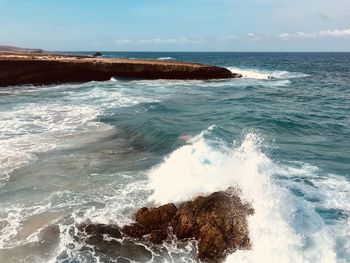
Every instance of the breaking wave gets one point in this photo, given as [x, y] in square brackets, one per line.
[285, 227]
[39, 127]
[265, 75]
[165, 58]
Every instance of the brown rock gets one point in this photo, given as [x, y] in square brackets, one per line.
[155, 218]
[135, 230]
[158, 236]
[218, 222]
[44, 69]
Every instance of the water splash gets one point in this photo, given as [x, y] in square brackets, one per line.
[266, 75]
[276, 232]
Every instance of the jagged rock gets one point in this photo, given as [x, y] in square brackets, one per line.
[218, 222]
[135, 230]
[155, 218]
[158, 236]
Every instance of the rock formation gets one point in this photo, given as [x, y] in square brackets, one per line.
[97, 54]
[218, 222]
[19, 49]
[44, 69]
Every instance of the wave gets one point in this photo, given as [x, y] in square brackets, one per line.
[165, 58]
[284, 228]
[266, 75]
[27, 130]
[38, 127]
[159, 58]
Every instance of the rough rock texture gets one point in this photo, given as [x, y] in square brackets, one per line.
[218, 222]
[152, 221]
[43, 69]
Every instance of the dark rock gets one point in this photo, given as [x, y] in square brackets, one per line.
[135, 252]
[237, 75]
[97, 54]
[101, 229]
[93, 236]
[135, 230]
[44, 69]
[158, 236]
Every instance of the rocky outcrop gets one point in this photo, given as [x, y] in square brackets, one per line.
[218, 222]
[43, 69]
[19, 49]
[97, 54]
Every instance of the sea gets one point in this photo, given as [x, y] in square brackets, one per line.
[98, 151]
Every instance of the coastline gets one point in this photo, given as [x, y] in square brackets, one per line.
[44, 69]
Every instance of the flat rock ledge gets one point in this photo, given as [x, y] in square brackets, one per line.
[45, 69]
[218, 222]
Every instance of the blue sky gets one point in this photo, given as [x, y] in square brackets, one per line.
[177, 25]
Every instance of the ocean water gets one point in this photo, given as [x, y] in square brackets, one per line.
[98, 151]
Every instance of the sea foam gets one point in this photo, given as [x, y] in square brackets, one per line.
[266, 75]
[275, 230]
[165, 58]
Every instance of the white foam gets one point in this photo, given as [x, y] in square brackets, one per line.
[165, 58]
[34, 128]
[276, 230]
[265, 75]
[41, 126]
[11, 219]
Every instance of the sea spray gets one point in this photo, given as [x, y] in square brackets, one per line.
[199, 169]
[266, 74]
[99, 170]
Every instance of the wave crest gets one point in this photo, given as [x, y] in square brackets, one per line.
[275, 232]
[266, 75]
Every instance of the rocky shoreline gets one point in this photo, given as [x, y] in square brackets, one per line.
[44, 69]
[217, 222]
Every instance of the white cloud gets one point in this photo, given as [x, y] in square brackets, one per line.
[179, 40]
[336, 33]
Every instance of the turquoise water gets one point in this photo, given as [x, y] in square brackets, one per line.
[98, 151]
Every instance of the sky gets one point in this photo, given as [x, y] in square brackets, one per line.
[176, 25]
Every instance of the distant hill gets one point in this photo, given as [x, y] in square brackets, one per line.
[18, 49]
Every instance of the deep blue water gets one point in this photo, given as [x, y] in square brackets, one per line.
[99, 150]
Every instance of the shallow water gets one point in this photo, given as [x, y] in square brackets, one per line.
[98, 151]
